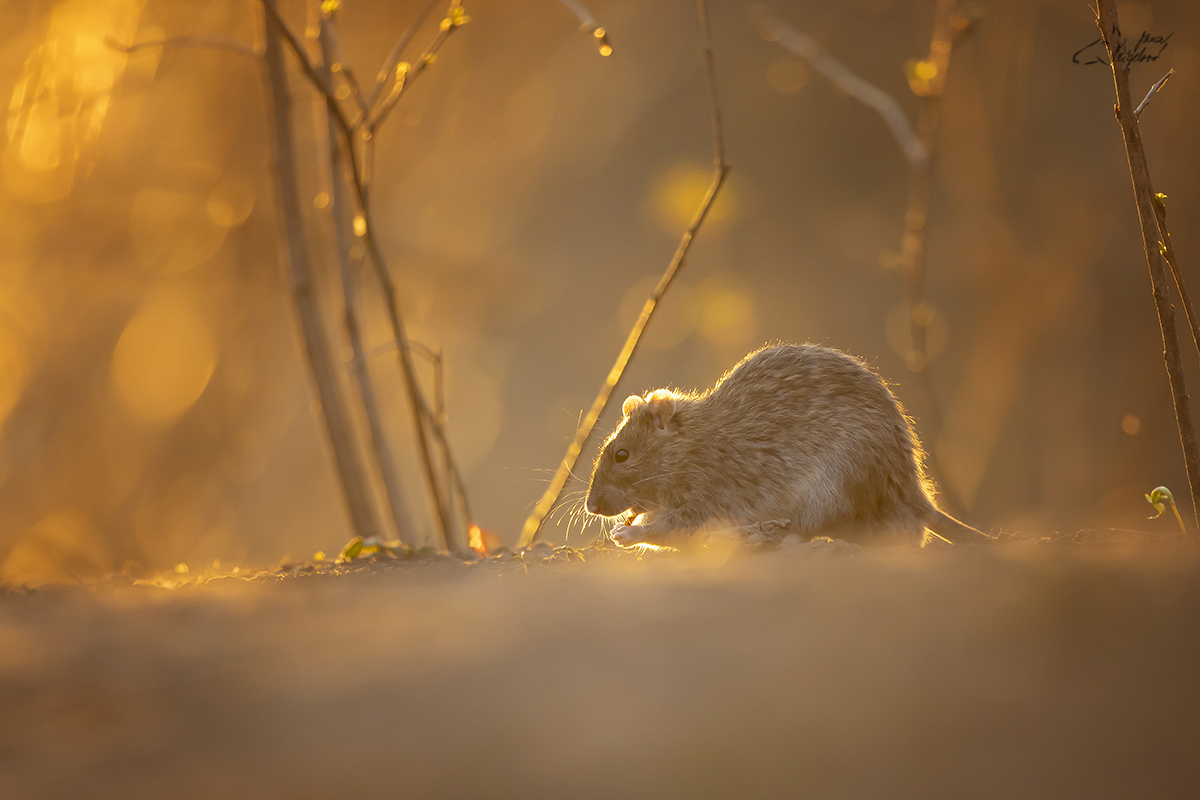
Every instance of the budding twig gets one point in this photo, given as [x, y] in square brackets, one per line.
[405, 78]
[1156, 251]
[393, 58]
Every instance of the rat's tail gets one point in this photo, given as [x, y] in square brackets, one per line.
[954, 531]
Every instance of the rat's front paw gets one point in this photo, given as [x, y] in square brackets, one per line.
[628, 535]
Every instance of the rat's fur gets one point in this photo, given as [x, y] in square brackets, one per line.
[798, 432]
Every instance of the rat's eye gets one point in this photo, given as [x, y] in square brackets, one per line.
[621, 455]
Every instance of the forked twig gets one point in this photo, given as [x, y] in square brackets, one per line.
[405, 77]
[533, 524]
[393, 58]
[1156, 250]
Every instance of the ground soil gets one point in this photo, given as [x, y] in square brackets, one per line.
[1022, 670]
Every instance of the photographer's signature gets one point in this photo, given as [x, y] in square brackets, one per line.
[1146, 48]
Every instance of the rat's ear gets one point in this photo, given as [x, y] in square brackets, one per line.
[661, 406]
[631, 404]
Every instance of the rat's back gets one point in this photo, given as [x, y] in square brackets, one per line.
[824, 437]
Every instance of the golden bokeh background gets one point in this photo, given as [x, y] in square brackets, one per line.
[154, 404]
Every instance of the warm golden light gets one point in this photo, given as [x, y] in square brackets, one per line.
[678, 194]
[173, 231]
[164, 359]
[787, 76]
[674, 320]
[58, 106]
[726, 312]
[925, 70]
[64, 547]
[230, 203]
[1131, 424]
[14, 369]
[897, 327]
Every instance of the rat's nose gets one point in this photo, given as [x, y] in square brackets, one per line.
[592, 506]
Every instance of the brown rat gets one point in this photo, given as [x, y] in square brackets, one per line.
[797, 432]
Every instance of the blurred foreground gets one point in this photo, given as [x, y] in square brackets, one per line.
[823, 670]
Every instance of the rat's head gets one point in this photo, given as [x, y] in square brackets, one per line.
[628, 472]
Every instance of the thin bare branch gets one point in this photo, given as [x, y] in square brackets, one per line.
[438, 412]
[185, 41]
[344, 238]
[295, 256]
[533, 524]
[1137, 112]
[775, 30]
[393, 58]
[719, 165]
[1156, 252]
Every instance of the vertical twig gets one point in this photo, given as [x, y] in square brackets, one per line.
[1106, 17]
[321, 360]
[929, 86]
[720, 169]
[344, 238]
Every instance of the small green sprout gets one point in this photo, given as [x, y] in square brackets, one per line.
[352, 549]
[1157, 497]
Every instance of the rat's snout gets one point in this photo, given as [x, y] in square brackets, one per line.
[601, 503]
